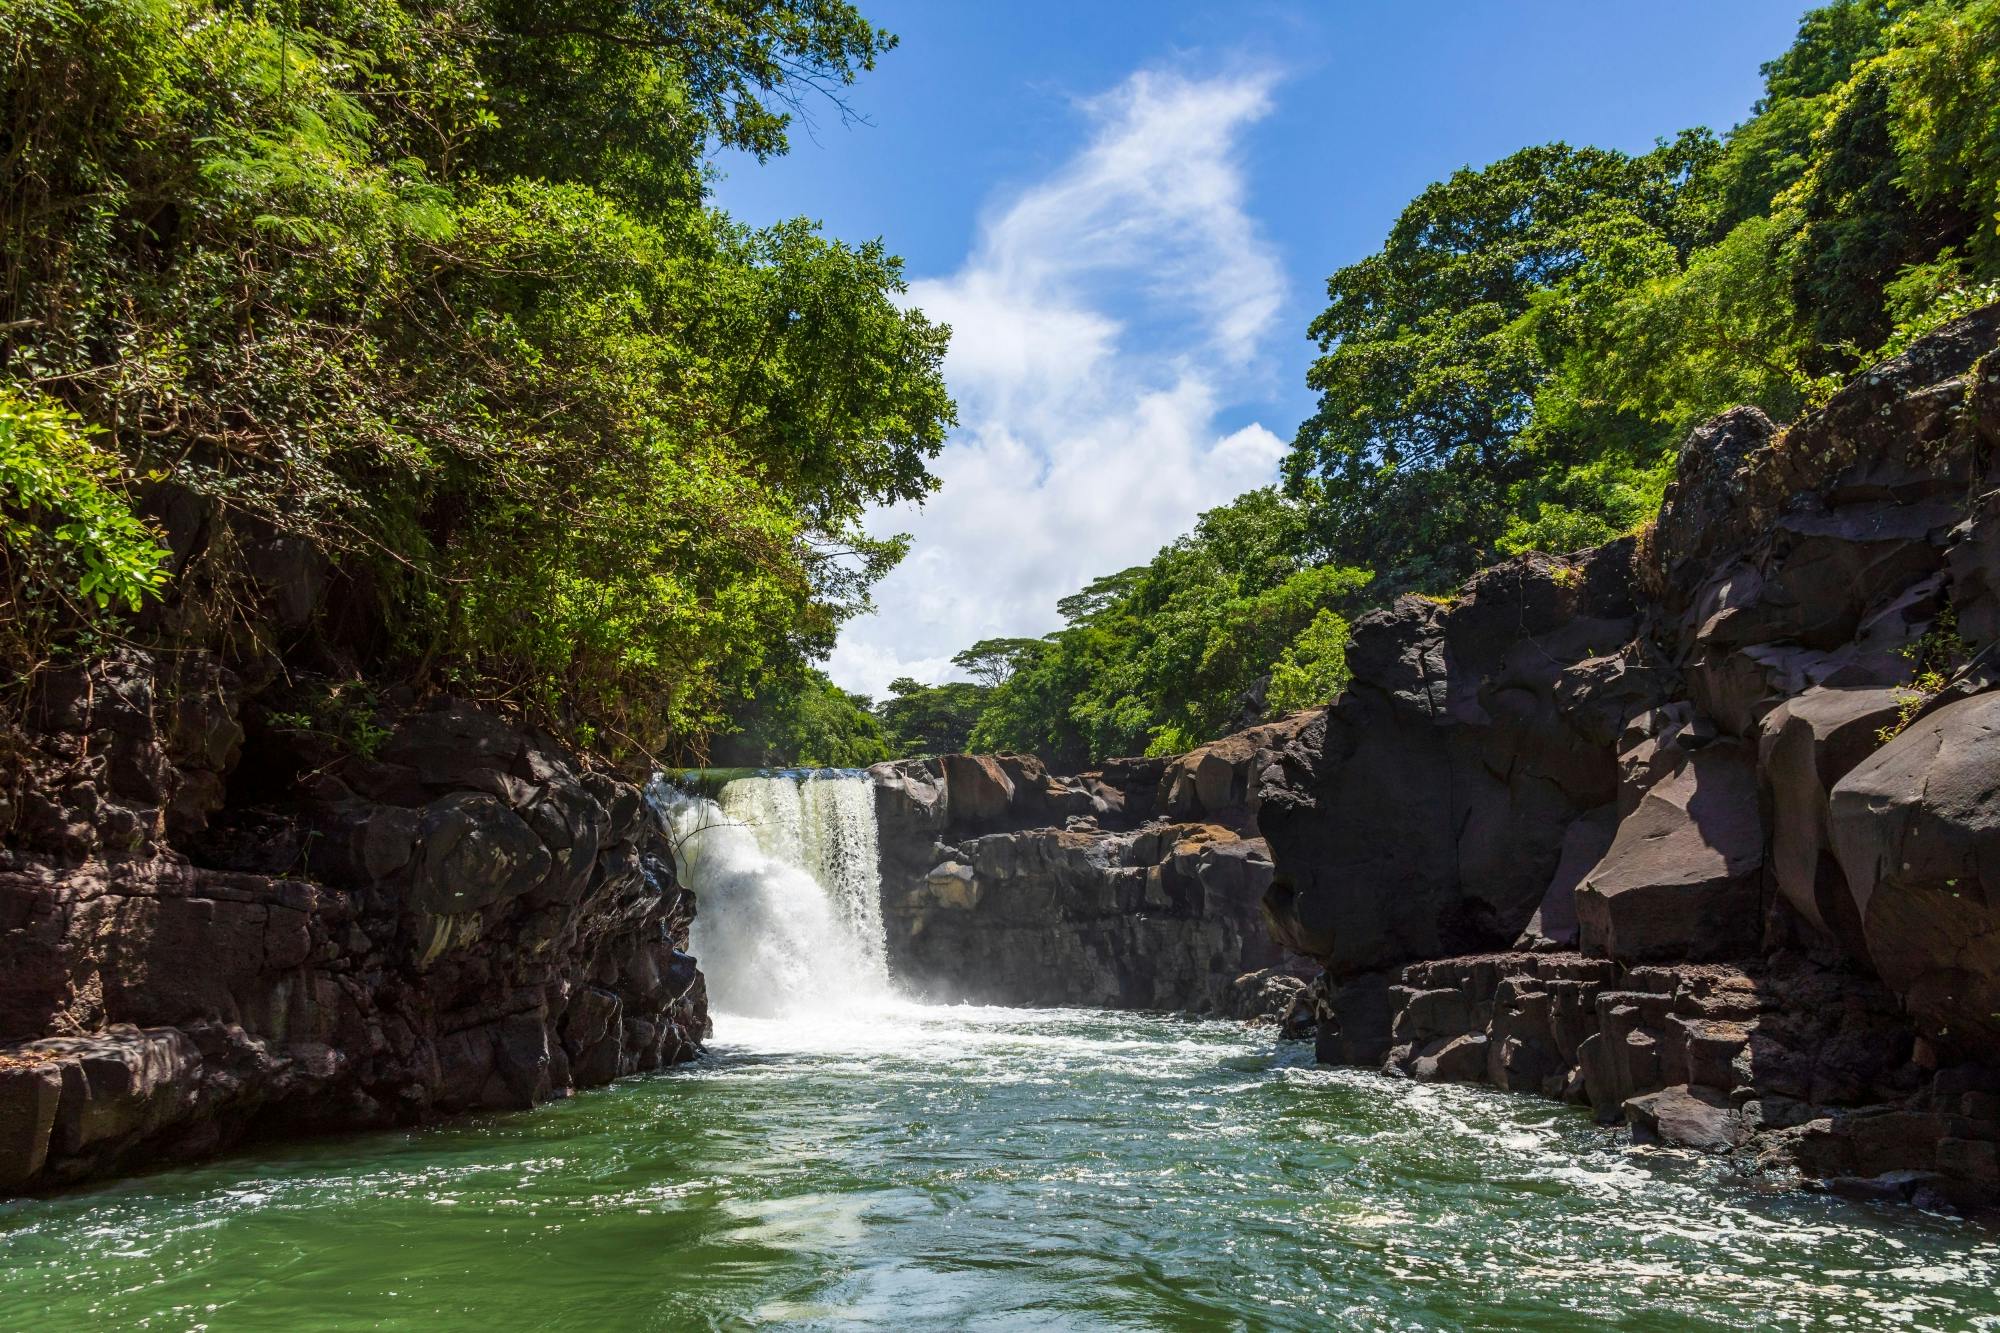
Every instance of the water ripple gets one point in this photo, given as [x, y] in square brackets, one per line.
[973, 1168]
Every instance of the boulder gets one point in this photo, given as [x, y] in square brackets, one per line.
[30, 1088]
[1554, 924]
[1424, 813]
[1916, 827]
[1268, 995]
[366, 940]
[1352, 1017]
[979, 792]
[1682, 877]
[1459, 1060]
[472, 851]
[1687, 1117]
[953, 885]
[909, 819]
[1218, 781]
[1425, 1015]
[1704, 508]
[1808, 744]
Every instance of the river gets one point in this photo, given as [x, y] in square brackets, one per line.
[865, 1162]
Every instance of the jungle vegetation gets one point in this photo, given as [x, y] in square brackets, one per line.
[427, 296]
[1516, 366]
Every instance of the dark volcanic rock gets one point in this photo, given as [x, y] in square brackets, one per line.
[1219, 781]
[982, 793]
[1165, 917]
[466, 920]
[1682, 879]
[1671, 756]
[1917, 828]
[1425, 812]
[1004, 884]
[1271, 995]
[1554, 924]
[1688, 1117]
[1809, 743]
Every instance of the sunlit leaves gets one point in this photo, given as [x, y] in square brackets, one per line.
[433, 288]
[65, 522]
[1516, 365]
[1171, 654]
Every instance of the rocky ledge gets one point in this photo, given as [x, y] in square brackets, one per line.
[1705, 826]
[207, 934]
[1136, 886]
[1780, 1061]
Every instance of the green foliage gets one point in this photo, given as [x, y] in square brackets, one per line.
[1925, 297]
[1434, 348]
[1678, 348]
[933, 719]
[992, 661]
[1514, 369]
[1934, 658]
[1516, 365]
[1174, 652]
[435, 289]
[348, 712]
[1943, 69]
[805, 723]
[1313, 669]
[65, 522]
[624, 96]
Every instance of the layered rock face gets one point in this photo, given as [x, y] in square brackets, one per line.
[1135, 886]
[1795, 1063]
[1750, 869]
[205, 935]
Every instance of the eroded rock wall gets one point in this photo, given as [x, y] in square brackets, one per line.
[1137, 885]
[1693, 778]
[207, 934]
[1780, 1059]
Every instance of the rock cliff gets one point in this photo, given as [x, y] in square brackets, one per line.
[1703, 825]
[1135, 886]
[217, 921]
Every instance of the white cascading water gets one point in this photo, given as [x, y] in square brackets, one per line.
[787, 879]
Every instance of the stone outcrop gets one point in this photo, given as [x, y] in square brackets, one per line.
[1693, 842]
[1164, 917]
[1469, 740]
[1783, 1061]
[1131, 886]
[1916, 827]
[1683, 877]
[215, 923]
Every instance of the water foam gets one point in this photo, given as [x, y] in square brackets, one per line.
[787, 873]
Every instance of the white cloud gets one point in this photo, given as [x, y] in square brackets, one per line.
[1099, 327]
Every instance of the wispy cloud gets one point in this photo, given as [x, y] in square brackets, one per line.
[1100, 326]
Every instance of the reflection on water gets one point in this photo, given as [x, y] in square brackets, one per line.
[907, 1167]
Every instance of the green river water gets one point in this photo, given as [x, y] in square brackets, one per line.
[920, 1168]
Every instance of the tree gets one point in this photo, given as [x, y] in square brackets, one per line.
[931, 719]
[1430, 364]
[1313, 669]
[992, 661]
[1172, 653]
[1516, 365]
[435, 291]
[806, 723]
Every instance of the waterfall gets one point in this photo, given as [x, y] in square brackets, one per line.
[788, 881]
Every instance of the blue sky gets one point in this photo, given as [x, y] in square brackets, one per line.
[1127, 211]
